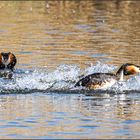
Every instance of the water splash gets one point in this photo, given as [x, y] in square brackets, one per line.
[61, 80]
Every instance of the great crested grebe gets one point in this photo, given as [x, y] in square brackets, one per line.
[105, 80]
[7, 62]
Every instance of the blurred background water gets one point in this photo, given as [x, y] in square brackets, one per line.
[55, 42]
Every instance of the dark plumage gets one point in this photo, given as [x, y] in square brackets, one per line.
[96, 80]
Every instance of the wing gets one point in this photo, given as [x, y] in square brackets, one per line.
[96, 80]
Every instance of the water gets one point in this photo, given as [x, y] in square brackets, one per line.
[54, 115]
[56, 43]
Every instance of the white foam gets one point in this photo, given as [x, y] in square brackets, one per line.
[63, 78]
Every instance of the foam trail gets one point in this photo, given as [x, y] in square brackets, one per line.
[62, 79]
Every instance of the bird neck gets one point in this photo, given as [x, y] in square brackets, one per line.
[120, 74]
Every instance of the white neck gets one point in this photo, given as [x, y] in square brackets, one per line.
[121, 76]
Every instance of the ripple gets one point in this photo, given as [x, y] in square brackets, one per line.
[89, 126]
[31, 122]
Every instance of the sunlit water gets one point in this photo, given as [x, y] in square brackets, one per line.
[56, 43]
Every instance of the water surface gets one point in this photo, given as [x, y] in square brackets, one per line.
[55, 43]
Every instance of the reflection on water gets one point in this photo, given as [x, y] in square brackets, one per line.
[69, 116]
[50, 33]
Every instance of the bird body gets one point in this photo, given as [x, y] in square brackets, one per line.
[97, 80]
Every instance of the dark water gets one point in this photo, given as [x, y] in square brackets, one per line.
[56, 42]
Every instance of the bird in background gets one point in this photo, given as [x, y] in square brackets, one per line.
[7, 62]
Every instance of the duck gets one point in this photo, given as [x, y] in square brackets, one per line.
[106, 80]
[7, 62]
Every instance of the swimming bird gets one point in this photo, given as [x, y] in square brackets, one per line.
[7, 60]
[105, 80]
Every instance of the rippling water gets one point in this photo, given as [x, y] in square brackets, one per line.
[56, 42]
